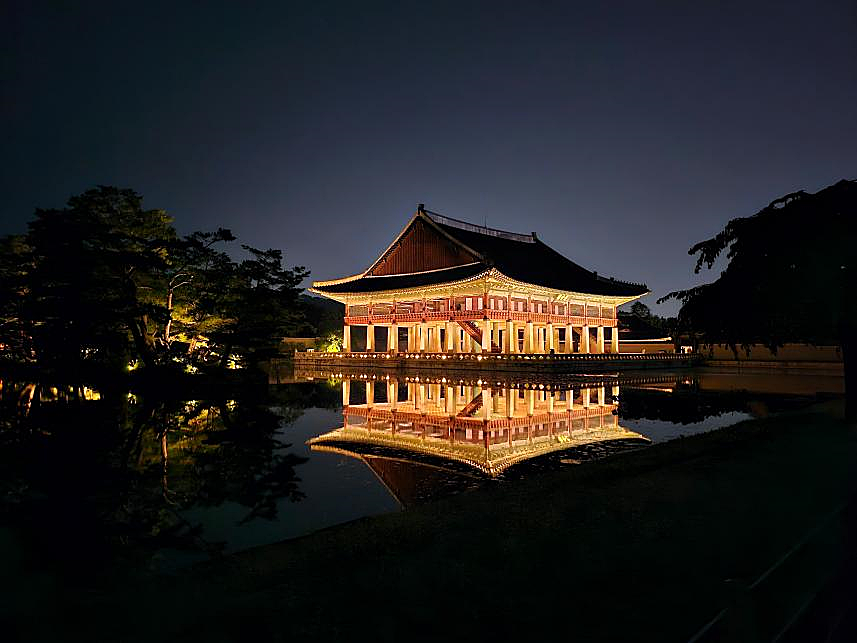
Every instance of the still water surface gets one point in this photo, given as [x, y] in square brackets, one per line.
[419, 439]
[166, 481]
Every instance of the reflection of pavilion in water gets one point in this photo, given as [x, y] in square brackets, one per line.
[475, 425]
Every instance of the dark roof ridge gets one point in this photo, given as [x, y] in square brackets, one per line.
[479, 229]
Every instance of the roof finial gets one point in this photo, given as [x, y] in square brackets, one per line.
[421, 207]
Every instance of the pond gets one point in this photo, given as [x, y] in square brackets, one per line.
[189, 479]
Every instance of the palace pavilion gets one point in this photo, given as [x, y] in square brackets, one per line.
[446, 286]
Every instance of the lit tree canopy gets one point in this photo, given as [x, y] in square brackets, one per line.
[105, 282]
[790, 277]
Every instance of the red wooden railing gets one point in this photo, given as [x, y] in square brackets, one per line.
[478, 315]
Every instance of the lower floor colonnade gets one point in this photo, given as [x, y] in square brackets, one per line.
[480, 336]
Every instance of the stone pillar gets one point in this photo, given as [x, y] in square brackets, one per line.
[586, 395]
[486, 336]
[531, 401]
[600, 339]
[393, 338]
[584, 339]
[511, 394]
[602, 395]
[486, 403]
[370, 338]
[614, 339]
[551, 399]
[393, 394]
[450, 400]
[370, 393]
[346, 338]
[569, 399]
[549, 331]
[529, 346]
[346, 391]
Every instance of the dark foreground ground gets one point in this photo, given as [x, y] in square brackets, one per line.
[635, 547]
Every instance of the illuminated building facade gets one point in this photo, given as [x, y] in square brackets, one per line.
[446, 286]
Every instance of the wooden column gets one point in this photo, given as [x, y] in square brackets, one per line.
[600, 335]
[509, 346]
[370, 393]
[346, 338]
[550, 338]
[587, 397]
[451, 336]
[584, 339]
[423, 333]
[346, 392]
[511, 394]
[486, 403]
[602, 395]
[531, 402]
[614, 338]
[569, 339]
[529, 340]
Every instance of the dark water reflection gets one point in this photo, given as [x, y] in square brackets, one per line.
[182, 479]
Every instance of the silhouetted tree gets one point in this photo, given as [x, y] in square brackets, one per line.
[790, 277]
[95, 279]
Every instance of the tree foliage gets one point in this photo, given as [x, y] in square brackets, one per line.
[105, 282]
[789, 278]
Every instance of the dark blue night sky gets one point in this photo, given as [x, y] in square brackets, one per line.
[621, 132]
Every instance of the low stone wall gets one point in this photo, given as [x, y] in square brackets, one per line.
[791, 353]
[472, 362]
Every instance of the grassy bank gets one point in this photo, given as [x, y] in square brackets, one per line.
[632, 547]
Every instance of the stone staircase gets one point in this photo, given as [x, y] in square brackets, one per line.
[471, 407]
[476, 333]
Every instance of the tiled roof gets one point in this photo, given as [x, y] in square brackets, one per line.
[521, 257]
[397, 282]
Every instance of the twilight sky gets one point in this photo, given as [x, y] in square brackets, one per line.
[621, 132]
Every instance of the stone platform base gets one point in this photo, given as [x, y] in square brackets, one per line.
[488, 362]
